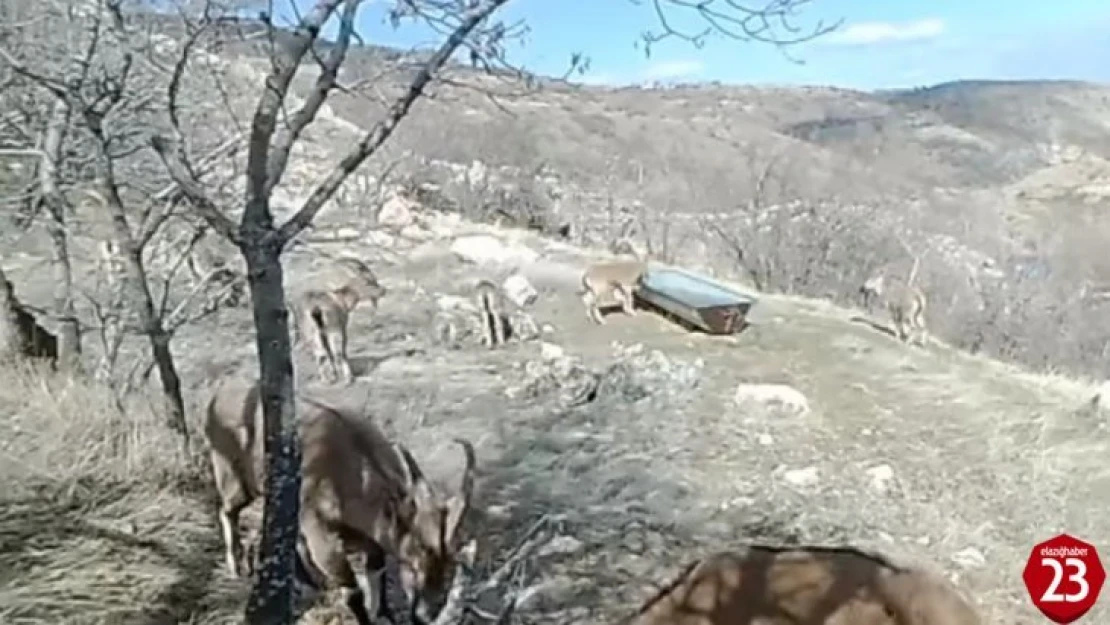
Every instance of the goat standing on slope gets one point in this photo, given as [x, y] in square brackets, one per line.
[322, 317]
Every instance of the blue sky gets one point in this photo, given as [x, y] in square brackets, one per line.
[882, 44]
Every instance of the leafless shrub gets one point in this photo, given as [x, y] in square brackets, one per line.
[515, 199]
[102, 81]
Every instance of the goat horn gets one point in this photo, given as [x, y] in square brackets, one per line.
[467, 486]
[408, 465]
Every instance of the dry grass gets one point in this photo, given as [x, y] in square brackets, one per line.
[103, 518]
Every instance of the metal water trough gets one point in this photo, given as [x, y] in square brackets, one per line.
[697, 300]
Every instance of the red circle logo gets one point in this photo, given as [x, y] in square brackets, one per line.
[1064, 577]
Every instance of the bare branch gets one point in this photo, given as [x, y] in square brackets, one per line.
[771, 23]
[149, 223]
[172, 155]
[325, 82]
[264, 123]
[383, 129]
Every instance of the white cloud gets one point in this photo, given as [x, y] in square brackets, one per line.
[870, 33]
[662, 72]
[671, 70]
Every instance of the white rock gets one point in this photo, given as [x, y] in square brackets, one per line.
[476, 173]
[397, 212]
[766, 439]
[880, 475]
[801, 477]
[454, 302]
[560, 545]
[347, 233]
[379, 238]
[484, 249]
[969, 558]
[520, 290]
[416, 233]
[782, 395]
[551, 351]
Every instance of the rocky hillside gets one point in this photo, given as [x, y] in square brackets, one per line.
[638, 444]
[999, 188]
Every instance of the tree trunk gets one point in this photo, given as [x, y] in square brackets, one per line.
[151, 324]
[137, 288]
[272, 597]
[69, 335]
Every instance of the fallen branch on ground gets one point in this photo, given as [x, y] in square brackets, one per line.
[506, 581]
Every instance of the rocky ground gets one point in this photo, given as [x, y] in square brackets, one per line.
[642, 444]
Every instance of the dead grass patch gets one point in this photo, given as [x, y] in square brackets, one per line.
[102, 519]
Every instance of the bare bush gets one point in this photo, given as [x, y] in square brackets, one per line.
[100, 85]
[508, 197]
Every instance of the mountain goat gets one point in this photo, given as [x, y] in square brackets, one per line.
[359, 494]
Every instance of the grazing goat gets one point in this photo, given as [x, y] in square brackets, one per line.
[322, 317]
[611, 280]
[904, 301]
[359, 494]
[804, 585]
[20, 333]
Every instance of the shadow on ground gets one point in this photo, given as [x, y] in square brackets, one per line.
[145, 573]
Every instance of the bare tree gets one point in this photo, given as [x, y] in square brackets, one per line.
[100, 106]
[262, 242]
[35, 126]
[464, 25]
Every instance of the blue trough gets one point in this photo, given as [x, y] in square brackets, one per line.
[697, 300]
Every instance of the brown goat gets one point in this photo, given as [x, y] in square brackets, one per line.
[322, 317]
[804, 585]
[906, 304]
[359, 494]
[607, 281]
[20, 333]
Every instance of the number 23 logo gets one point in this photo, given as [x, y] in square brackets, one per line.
[1079, 577]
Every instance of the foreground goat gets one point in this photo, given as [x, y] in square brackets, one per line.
[359, 493]
[615, 280]
[323, 316]
[20, 333]
[804, 585]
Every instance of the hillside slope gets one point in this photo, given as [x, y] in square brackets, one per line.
[632, 437]
[950, 461]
